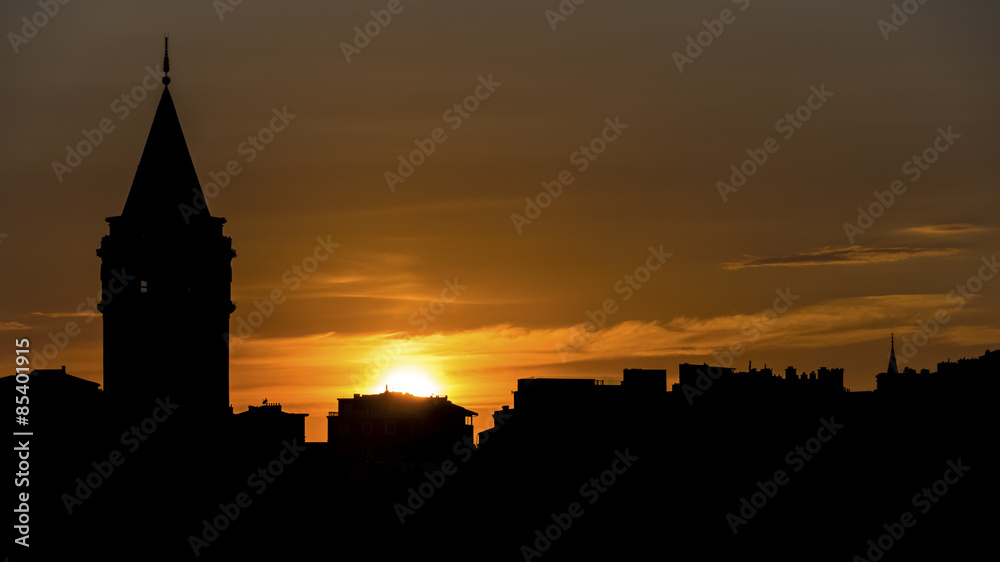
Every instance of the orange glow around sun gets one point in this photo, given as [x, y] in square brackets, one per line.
[413, 380]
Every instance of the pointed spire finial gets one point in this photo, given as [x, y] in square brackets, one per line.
[893, 368]
[166, 59]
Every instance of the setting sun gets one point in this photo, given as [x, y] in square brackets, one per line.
[501, 280]
[413, 380]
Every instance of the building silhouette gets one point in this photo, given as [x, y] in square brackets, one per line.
[554, 397]
[397, 426]
[267, 425]
[967, 375]
[166, 274]
[57, 396]
[662, 470]
[726, 381]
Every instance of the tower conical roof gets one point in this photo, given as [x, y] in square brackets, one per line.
[165, 182]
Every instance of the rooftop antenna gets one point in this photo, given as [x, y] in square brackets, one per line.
[166, 59]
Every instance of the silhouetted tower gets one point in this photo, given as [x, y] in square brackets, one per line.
[166, 273]
[892, 369]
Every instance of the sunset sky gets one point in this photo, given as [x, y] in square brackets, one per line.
[434, 274]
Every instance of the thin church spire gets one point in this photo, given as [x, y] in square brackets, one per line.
[893, 369]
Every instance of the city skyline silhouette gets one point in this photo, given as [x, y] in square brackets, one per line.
[389, 250]
[392, 366]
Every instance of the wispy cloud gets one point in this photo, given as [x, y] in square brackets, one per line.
[478, 365]
[852, 255]
[67, 314]
[945, 229]
[330, 359]
[12, 325]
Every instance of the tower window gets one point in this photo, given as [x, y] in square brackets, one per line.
[143, 286]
